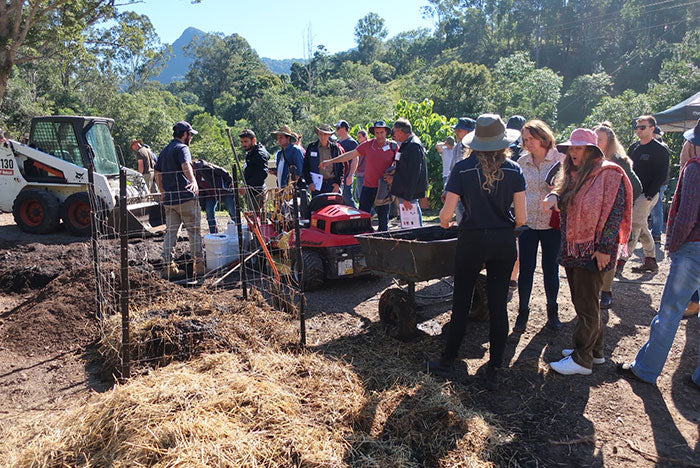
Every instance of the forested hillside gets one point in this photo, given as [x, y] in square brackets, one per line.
[567, 62]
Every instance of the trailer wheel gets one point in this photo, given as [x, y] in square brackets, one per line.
[36, 211]
[76, 214]
[480, 305]
[397, 312]
[314, 273]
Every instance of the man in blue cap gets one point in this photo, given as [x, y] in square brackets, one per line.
[516, 122]
[178, 187]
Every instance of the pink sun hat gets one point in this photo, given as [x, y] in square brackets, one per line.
[581, 137]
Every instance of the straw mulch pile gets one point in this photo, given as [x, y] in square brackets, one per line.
[246, 396]
[258, 409]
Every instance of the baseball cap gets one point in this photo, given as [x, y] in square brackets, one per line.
[342, 123]
[465, 123]
[182, 127]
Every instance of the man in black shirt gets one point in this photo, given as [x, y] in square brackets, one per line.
[255, 171]
[650, 162]
[410, 180]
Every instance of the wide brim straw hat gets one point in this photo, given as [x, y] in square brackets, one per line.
[285, 130]
[693, 135]
[581, 137]
[490, 134]
[325, 128]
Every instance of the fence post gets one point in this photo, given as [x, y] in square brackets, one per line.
[239, 228]
[96, 211]
[124, 270]
[299, 261]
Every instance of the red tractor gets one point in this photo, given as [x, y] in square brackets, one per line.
[329, 247]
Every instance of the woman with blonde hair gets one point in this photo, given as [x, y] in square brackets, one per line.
[540, 157]
[594, 197]
[614, 152]
[487, 183]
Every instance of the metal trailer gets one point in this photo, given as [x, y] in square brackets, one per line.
[414, 255]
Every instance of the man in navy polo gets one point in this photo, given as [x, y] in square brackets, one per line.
[178, 187]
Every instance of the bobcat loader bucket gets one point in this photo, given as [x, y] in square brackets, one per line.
[143, 218]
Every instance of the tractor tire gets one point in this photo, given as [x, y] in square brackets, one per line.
[314, 273]
[398, 313]
[36, 211]
[75, 213]
[480, 305]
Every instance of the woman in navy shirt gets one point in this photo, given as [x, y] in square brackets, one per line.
[487, 183]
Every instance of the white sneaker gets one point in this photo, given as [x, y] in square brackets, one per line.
[568, 366]
[569, 352]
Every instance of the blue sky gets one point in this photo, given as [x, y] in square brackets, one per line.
[276, 28]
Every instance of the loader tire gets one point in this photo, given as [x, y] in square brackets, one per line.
[36, 211]
[76, 214]
[314, 273]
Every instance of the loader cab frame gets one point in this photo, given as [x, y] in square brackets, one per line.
[68, 137]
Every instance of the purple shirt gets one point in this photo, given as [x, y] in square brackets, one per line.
[686, 227]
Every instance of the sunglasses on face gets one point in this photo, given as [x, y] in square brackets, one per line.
[641, 127]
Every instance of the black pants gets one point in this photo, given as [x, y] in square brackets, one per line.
[494, 248]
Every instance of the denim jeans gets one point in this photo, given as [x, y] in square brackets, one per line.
[347, 195]
[657, 214]
[210, 207]
[494, 248]
[529, 242]
[367, 198]
[359, 183]
[683, 280]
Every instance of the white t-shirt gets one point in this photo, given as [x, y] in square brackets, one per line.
[446, 161]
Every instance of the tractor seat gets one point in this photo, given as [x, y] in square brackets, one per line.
[323, 200]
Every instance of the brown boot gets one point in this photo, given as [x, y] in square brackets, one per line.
[198, 268]
[172, 272]
[692, 310]
[648, 265]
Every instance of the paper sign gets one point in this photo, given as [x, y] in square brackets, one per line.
[385, 148]
[398, 156]
[314, 153]
[409, 217]
[317, 180]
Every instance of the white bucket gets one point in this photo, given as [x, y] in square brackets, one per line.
[217, 250]
[232, 232]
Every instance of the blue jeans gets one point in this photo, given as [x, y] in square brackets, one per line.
[683, 280]
[359, 183]
[529, 241]
[347, 195]
[657, 214]
[210, 208]
[367, 198]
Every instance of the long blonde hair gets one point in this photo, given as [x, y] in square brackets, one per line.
[491, 162]
[565, 186]
[614, 148]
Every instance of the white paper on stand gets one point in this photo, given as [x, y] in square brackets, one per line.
[409, 217]
[317, 180]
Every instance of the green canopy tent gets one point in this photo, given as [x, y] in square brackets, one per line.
[680, 117]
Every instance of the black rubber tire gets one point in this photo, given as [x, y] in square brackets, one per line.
[36, 211]
[480, 305]
[398, 313]
[76, 214]
[314, 273]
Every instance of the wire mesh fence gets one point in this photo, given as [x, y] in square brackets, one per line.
[165, 291]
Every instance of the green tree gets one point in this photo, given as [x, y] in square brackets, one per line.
[211, 144]
[583, 94]
[620, 111]
[461, 89]
[222, 64]
[369, 34]
[30, 30]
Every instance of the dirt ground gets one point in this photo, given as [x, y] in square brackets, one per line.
[48, 358]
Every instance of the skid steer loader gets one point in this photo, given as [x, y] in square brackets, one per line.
[46, 181]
